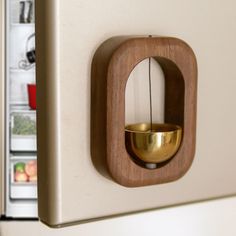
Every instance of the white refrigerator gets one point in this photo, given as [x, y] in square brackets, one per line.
[20, 155]
[48, 170]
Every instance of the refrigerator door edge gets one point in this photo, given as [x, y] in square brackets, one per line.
[48, 135]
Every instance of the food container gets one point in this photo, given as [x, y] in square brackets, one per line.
[23, 131]
[23, 177]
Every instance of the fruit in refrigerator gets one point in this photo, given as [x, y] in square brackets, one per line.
[20, 177]
[19, 167]
[33, 178]
[31, 168]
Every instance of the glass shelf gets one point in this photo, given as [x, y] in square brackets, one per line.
[23, 24]
[20, 157]
[19, 70]
[18, 108]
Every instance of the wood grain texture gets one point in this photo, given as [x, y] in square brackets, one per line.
[113, 62]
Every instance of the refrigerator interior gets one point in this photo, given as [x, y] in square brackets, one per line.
[21, 159]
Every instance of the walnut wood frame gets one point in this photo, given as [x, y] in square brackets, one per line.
[112, 64]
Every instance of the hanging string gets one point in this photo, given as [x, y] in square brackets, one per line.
[150, 89]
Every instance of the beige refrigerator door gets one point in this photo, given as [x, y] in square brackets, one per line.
[199, 219]
[68, 33]
[2, 106]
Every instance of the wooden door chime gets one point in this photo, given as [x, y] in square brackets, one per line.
[145, 153]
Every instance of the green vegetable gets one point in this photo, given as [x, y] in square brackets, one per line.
[24, 125]
[19, 167]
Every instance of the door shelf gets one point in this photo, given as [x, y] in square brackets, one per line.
[23, 131]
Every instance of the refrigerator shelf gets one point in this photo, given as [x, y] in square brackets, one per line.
[16, 108]
[20, 107]
[23, 25]
[20, 104]
[19, 70]
[19, 184]
[20, 157]
[17, 1]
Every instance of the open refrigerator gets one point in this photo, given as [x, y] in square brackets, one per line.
[20, 117]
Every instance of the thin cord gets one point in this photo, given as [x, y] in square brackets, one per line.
[150, 90]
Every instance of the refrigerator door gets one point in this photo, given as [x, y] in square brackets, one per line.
[201, 220]
[67, 36]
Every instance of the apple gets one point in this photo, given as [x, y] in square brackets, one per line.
[19, 167]
[31, 168]
[33, 178]
[20, 177]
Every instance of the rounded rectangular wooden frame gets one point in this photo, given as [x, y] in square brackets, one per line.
[112, 64]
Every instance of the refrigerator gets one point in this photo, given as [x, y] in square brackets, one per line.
[20, 116]
[48, 172]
